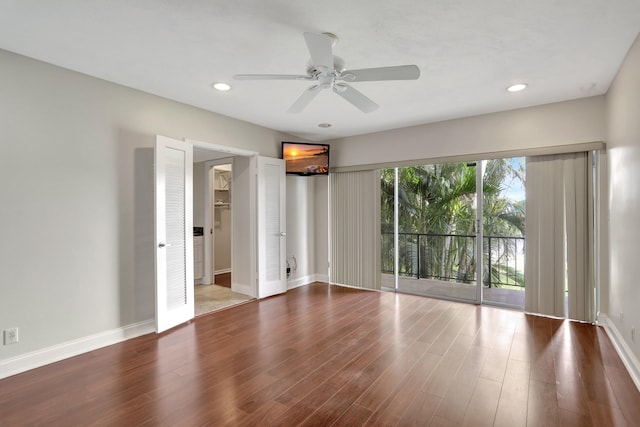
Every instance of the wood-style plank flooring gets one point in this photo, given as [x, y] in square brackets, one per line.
[325, 355]
[223, 279]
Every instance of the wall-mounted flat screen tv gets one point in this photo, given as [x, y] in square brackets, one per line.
[306, 159]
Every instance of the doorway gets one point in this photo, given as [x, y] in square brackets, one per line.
[214, 287]
[256, 272]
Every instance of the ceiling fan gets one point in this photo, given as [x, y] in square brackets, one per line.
[327, 71]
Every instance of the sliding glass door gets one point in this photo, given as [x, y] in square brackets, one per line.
[455, 230]
[504, 232]
[429, 230]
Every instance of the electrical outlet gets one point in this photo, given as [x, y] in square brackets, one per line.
[10, 336]
[621, 316]
[633, 333]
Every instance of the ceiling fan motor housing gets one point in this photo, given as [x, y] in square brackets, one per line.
[315, 70]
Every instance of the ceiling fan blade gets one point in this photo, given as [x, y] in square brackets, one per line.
[270, 77]
[321, 49]
[356, 98]
[400, 72]
[304, 99]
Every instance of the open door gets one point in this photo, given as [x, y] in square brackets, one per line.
[174, 232]
[272, 277]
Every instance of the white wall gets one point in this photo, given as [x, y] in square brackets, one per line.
[562, 123]
[244, 229]
[76, 182]
[300, 229]
[199, 187]
[321, 207]
[222, 233]
[307, 228]
[623, 152]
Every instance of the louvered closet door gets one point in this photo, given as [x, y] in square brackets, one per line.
[272, 278]
[174, 232]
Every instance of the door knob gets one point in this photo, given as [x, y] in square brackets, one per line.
[163, 245]
[282, 233]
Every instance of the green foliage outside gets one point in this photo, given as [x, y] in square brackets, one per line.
[436, 221]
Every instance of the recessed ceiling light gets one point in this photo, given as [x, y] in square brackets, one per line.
[221, 86]
[517, 87]
[324, 125]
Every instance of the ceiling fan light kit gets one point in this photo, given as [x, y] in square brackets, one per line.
[328, 72]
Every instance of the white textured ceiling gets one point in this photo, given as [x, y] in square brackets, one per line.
[468, 52]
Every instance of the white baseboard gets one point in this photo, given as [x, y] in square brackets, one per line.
[305, 280]
[222, 270]
[628, 358]
[38, 358]
[242, 289]
[299, 281]
[321, 278]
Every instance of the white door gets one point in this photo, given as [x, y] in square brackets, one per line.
[174, 232]
[272, 277]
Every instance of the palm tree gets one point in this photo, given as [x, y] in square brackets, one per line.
[439, 201]
[503, 216]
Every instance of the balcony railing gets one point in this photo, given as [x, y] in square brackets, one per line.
[452, 257]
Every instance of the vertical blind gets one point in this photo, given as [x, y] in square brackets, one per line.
[559, 267]
[355, 229]
[560, 234]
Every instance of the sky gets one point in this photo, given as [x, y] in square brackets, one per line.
[514, 189]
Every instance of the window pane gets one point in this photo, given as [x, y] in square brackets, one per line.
[504, 231]
[387, 225]
[436, 239]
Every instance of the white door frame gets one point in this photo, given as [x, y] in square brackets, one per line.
[249, 260]
[232, 151]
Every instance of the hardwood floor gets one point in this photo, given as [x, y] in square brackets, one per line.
[223, 279]
[325, 355]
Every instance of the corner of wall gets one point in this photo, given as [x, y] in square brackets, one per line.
[629, 359]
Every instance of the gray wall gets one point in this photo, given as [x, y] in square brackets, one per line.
[76, 180]
[581, 120]
[622, 292]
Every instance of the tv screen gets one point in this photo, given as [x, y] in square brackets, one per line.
[306, 159]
